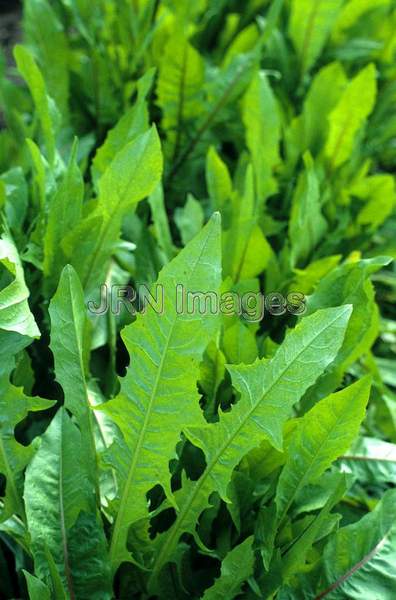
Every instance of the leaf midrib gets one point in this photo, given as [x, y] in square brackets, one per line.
[110, 219]
[305, 477]
[367, 558]
[201, 481]
[118, 527]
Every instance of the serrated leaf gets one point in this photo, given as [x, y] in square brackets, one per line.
[14, 407]
[157, 396]
[133, 122]
[268, 391]
[324, 434]
[131, 176]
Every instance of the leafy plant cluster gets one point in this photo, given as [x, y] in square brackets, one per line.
[226, 146]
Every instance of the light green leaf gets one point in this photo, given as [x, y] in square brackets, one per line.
[246, 252]
[14, 407]
[189, 219]
[378, 192]
[309, 27]
[324, 434]
[179, 90]
[351, 12]
[57, 494]
[358, 562]
[131, 176]
[268, 389]
[158, 397]
[236, 568]
[45, 106]
[307, 225]
[36, 588]
[350, 113]
[134, 122]
[64, 213]
[239, 344]
[15, 315]
[371, 460]
[16, 198]
[308, 131]
[262, 123]
[49, 45]
[218, 180]
[161, 223]
[349, 283]
[70, 347]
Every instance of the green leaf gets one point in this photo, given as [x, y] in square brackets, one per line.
[294, 559]
[64, 213]
[212, 374]
[36, 588]
[133, 122]
[236, 568]
[309, 28]
[44, 105]
[161, 223]
[308, 131]
[350, 113]
[349, 283]
[371, 460]
[239, 344]
[246, 251]
[49, 45]
[14, 408]
[132, 175]
[70, 347]
[262, 123]
[269, 389]
[359, 560]
[16, 198]
[157, 396]
[57, 495]
[307, 226]
[15, 315]
[324, 434]
[378, 193]
[218, 180]
[189, 219]
[179, 89]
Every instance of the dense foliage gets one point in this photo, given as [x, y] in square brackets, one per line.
[224, 146]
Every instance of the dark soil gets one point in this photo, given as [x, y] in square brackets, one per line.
[10, 30]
